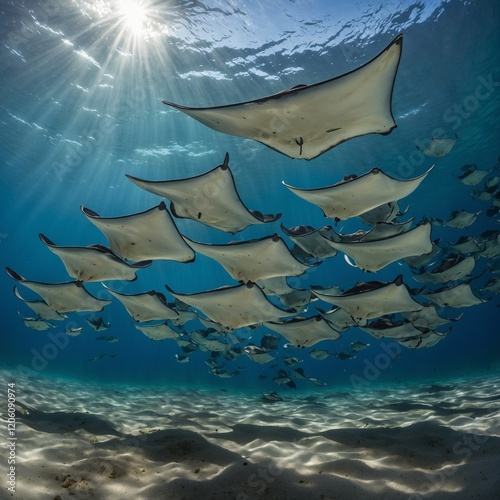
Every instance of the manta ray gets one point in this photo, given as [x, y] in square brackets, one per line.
[387, 328]
[210, 198]
[454, 268]
[304, 332]
[253, 260]
[147, 235]
[472, 176]
[94, 262]
[37, 324]
[307, 120]
[454, 296]
[426, 339]
[367, 300]
[439, 147]
[372, 255]
[234, 306]
[159, 332]
[64, 297]
[356, 195]
[147, 306]
[428, 317]
[466, 245]
[459, 219]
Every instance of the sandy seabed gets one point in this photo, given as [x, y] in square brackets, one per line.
[78, 441]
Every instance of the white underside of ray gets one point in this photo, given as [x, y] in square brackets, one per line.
[151, 234]
[158, 332]
[91, 264]
[459, 271]
[253, 260]
[305, 332]
[145, 306]
[388, 299]
[359, 195]
[234, 307]
[374, 255]
[458, 296]
[63, 297]
[305, 122]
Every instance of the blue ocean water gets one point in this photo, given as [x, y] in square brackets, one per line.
[82, 84]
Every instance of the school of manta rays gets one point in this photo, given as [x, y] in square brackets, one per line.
[321, 116]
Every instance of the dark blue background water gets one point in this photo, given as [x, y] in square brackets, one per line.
[81, 87]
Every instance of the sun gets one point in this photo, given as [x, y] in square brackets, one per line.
[134, 15]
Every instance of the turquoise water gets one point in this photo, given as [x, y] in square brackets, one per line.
[82, 85]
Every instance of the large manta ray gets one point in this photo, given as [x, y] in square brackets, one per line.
[371, 299]
[307, 120]
[305, 332]
[94, 262]
[158, 332]
[234, 306]
[70, 296]
[372, 255]
[210, 198]
[253, 260]
[147, 235]
[356, 195]
[147, 306]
